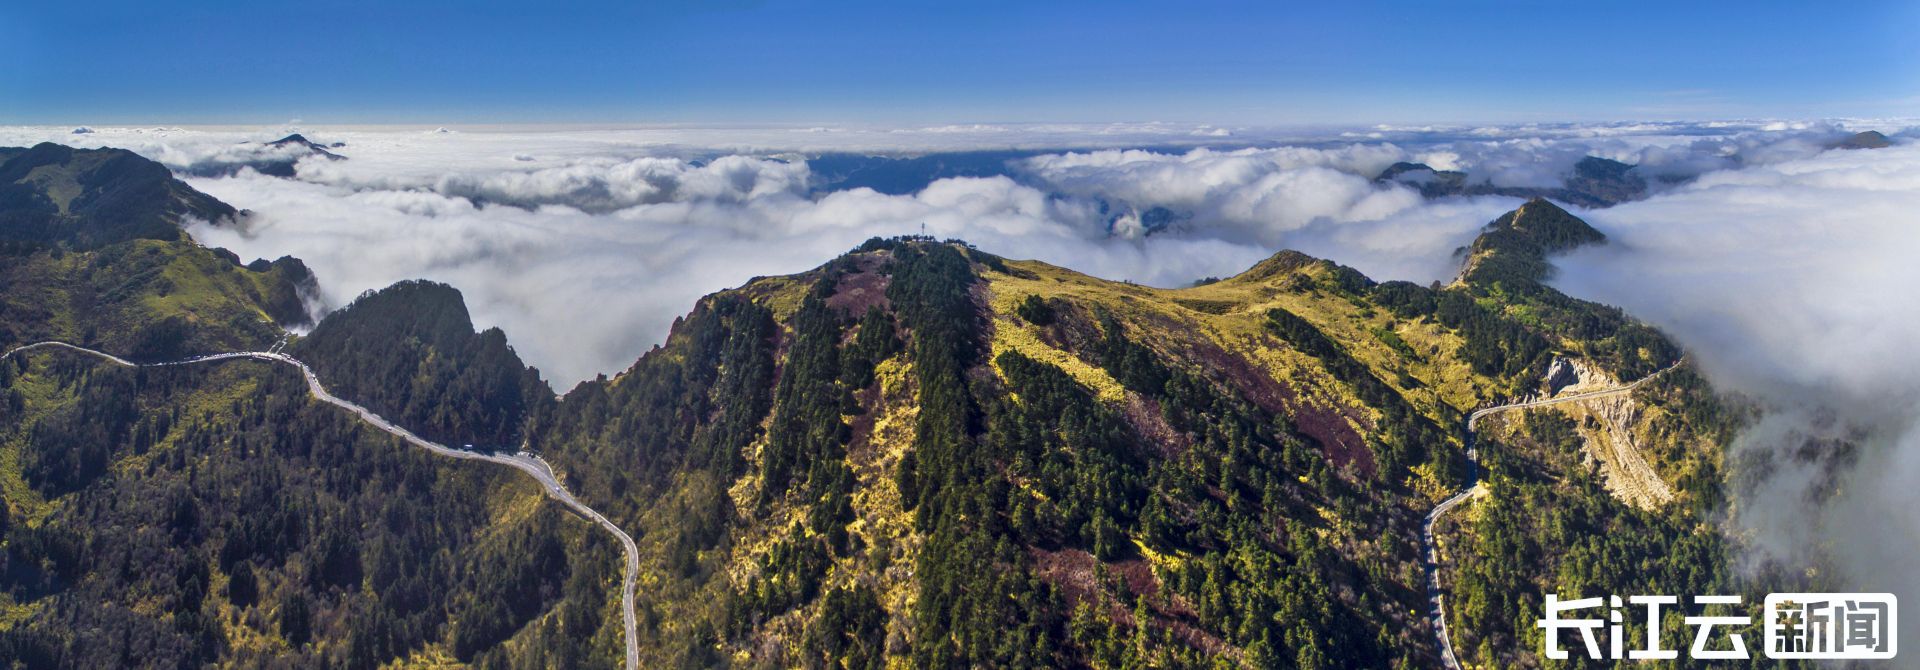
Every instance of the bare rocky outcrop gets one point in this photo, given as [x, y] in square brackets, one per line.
[1607, 422]
[1569, 377]
[1612, 442]
[1608, 431]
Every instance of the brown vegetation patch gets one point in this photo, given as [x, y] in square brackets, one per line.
[1074, 330]
[1072, 572]
[1145, 415]
[863, 288]
[1328, 426]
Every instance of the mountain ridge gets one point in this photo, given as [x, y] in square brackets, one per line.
[917, 453]
[87, 198]
[1593, 182]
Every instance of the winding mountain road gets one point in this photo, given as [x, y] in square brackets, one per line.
[533, 466]
[1438, 611]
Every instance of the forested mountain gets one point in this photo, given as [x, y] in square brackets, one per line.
[921, 452]
[917, 454]
[53, 195]
[409, 353]
[91, 252]
[215, 515]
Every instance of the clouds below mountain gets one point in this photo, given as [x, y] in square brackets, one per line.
[637, 241]
[1248, 195]
[1794, 283]
[1786, 269]
[583, 293]
[614, 232]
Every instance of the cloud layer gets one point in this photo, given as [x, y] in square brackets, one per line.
[615, 232]
[1794, 283]
[1787, 270]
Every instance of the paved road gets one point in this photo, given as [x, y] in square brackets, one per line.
[532, 465]
[1438, 610]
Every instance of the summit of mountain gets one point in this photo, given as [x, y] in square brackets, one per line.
[917, 453]
[52, 195]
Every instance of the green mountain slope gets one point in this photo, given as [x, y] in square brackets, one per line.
[91, 253]
[216, 515]
[917, 455]
[966, 460]
[84, 198]
[409, 352]
[1593, 182]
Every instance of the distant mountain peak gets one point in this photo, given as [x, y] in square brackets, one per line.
[1593, 182]
[1288, 262]
[1513, 249]
[1403, 167]
[1870, 139]
[1554, 228]
[298, 140]
[291, 150]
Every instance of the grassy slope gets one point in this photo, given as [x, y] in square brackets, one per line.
[1231, 315]
[108, 297]
[1417, 356]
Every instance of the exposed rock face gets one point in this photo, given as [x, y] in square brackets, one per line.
[1561, 375]
[1568, 376]
[1612, 442]
[1607, 431]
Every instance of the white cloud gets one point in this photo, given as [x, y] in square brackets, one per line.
[1786, 270]
[616, 231]
[1794, 283]
[616, 248]
[593, 184]
[583, 293]
[1252, 195]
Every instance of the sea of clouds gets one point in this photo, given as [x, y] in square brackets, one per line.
[1795, 283]
[1788, 270]
[583, 244]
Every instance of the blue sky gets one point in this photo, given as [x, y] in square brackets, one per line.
[904, 62]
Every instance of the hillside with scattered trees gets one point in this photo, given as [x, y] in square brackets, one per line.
[918, 454]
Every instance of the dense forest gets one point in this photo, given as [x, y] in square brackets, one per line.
[1505, 268]
[409, 353]
[217, 515]
[1006, 498]
[1198, 516]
